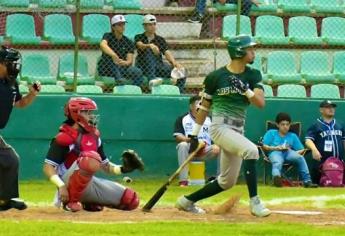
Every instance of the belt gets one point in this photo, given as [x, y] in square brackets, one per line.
[229, 121]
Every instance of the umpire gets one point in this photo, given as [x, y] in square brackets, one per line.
[9, 97]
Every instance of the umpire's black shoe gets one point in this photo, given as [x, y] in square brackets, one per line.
[196, 18]
[13, 203]
[277, 181]
[310, 185]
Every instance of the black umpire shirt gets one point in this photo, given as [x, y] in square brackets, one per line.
[9, 95]
[157, 40]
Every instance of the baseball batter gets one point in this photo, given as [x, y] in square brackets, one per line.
[230, 90]
[76, 154]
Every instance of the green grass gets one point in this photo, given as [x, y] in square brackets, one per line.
[42, 192]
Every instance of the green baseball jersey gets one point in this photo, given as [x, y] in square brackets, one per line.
[225, 99]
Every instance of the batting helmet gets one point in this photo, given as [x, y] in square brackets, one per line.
[80, 110]
[238, 44]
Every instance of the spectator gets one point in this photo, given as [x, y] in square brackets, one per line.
[325, 138]
[184, 127]
[200, 8]
[117, 54]
[151, 48]
[285, 146]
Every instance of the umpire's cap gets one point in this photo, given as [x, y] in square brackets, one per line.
[327, 103]
[9, 54]
[238, 44]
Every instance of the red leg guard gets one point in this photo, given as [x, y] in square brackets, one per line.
[129, 200]
[89, 163]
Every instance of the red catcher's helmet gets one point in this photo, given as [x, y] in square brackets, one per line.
[81, 110]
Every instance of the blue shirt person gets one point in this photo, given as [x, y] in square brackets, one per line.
[284, 146]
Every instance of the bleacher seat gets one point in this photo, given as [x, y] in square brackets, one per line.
[225, 7]
[165, 89]
[269, 30]
[127, 90]
[94, 26]
[333, 30]
[268, 90]
[127, 4]
[293, 6]
[326, 91]
[315, 68]
[52, 88]
[20, 29]
[264, 7]
[339, 66]
[281, 68]
[57, 29]
[329, 6]
[89, 89]
[302, 30]
[36, 67]
[94, 4]
[229, 26]
[52, 3]
[23, 89]
[16, 3]
[291, 91]
[66, 68]
[134, 25]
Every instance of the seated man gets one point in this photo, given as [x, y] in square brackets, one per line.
[151, 48]
[117, 55]
[184, 127]
[284, 146]
[76, 154]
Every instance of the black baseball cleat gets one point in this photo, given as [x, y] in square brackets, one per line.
[196, 18]
[310, 185]
[13, 203]
[277, 181]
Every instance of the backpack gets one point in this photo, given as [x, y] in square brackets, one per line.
[332, 173]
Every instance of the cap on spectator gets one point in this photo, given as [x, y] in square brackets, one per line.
[118, 19]
[149, 19]
[327, 103]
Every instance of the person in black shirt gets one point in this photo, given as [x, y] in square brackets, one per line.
[151, 48]
[117, 55]
[9, 97]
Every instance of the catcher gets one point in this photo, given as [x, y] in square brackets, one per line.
[76, 154]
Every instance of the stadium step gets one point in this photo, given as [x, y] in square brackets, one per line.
[183, 30]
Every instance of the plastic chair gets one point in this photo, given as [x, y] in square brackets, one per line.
[165, 89]
[23, 89]
[127, 90]
[94, 27]
[127, 4]
[58, 29]
[94, 4]
[333, 31]
[16, 3]
[269, 30]
[268, 90]
[329, 6]
[339, 66]
[89, 89]
[66, 69]
[36, 67]
[134, 25]
[291, 91]
[281, 68]
[294, 6]
[46, 89]
[52, 3]
[325, 91]
[20, 29]
[264, 7]
[315, 68]
[302, 30]
[229, 26]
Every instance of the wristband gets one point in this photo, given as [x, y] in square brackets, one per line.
[249, 93]
[55, 179]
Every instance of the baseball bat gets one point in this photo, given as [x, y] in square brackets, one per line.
[155, 198]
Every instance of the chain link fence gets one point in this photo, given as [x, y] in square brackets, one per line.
[300, 44]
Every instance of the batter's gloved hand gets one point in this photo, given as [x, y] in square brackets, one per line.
[239, 85]
[131, 161]
[194, 142]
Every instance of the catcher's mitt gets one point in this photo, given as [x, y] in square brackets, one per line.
[131, 161]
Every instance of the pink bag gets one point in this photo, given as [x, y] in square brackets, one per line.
[332, 173]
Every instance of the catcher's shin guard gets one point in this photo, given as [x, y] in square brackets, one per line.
[129, 200]
[89, 163]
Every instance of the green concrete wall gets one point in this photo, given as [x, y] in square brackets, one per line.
[143, 123]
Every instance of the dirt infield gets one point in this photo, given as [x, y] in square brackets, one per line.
[240, 214]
